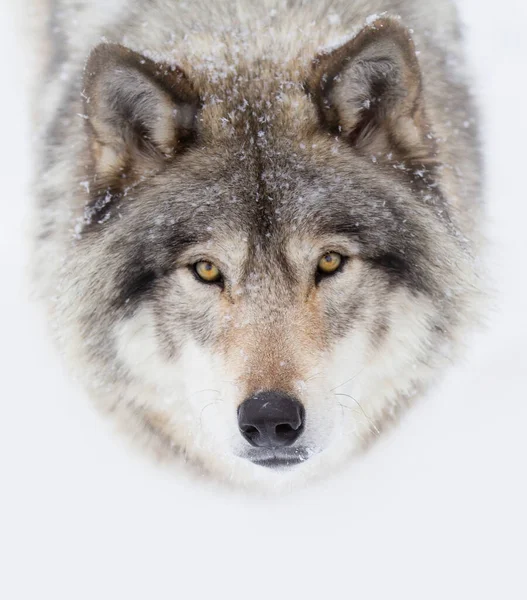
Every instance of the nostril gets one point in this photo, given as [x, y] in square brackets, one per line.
[248, 429]
[250, 433]
[285, 433]
[284, 428]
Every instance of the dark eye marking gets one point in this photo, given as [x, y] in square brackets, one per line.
[145, 266]
[139, 284]
[391, 262]
[405, 271]
[396, 268]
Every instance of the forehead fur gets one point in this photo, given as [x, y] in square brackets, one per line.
[264, 190]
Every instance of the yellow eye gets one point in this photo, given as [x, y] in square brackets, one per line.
[329, 263]
[207, 271]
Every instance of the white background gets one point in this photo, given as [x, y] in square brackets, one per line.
[437, 510]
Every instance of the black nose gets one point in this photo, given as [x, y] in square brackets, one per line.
[271, 419]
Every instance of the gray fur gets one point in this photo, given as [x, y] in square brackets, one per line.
[269, 164]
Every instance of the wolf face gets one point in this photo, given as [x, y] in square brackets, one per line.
[268, 266]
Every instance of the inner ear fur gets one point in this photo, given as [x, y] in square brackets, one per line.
[140, 113]
[369, 91]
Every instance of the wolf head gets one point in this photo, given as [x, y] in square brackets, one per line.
[267, 268]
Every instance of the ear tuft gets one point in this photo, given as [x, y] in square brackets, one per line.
[140, 113]
[369, 91]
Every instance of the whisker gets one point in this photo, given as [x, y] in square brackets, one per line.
[369, 419]
[202, 410]
[348, 407]
[348, 380]
[313, 377]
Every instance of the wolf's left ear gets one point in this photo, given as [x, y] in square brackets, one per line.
[139, 112]
[369, 91]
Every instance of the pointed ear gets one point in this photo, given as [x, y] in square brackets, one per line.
[369, 91]
[140, 113]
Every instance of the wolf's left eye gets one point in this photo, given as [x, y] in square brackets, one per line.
[329, 263]
[208, 272]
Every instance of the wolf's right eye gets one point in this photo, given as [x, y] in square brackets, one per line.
[207, 272]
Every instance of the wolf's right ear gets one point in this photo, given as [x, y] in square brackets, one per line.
[139, 113]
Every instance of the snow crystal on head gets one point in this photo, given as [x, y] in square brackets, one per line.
[333, 19]
[375, 17]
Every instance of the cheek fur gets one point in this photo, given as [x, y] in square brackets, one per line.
[379, 370]
[193, 389]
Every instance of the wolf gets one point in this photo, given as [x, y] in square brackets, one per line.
[258, 222]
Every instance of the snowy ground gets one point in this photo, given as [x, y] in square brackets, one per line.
[437, 510]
